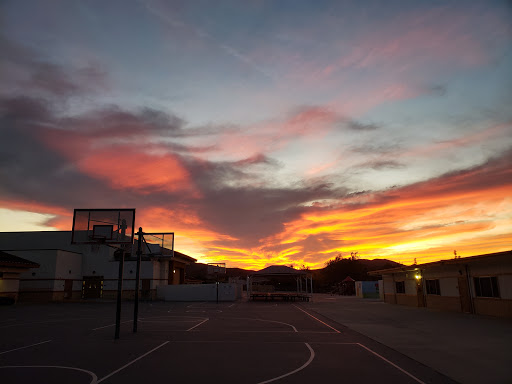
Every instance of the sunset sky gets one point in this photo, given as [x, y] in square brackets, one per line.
[263, 132]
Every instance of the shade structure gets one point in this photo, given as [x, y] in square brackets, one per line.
[303, 278]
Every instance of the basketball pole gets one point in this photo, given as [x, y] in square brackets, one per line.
[119, 294]
[137, 280]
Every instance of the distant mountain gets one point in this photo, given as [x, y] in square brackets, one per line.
[337, 271]
[376, 264]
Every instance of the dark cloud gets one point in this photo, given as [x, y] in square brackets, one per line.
[370, 148]
[24, 110]
[358, 126]
[251, 214]
[437, 90]
[52, 79]
[114, 122]
[27, 71]
[32, 172]
[187, 149]
[257, 159]
[381, 164]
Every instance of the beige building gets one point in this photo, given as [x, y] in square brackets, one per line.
[73, 272]
[479, 284]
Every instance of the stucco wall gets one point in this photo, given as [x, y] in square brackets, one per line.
[390, 298]
[389, 285]
[410, 287]
[493, 307]
[410, 300]
[9, 284]
[505, 285]
[449, 286]
[446, 303]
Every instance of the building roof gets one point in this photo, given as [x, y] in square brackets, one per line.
[462, 260]
[348, 278]
[184, 257]
[279, 270]
[8, 260]
[166, 254]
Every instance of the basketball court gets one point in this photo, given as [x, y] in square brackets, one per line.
[241, 342]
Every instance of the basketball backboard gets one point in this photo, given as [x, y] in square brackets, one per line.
[157, 244]
[216, 268]
[103, 226]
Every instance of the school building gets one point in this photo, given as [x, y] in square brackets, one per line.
[478, 284]
[50, 268]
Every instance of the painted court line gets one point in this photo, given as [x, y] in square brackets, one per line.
[267, 321]
[278, 322]
[26, 346]
[393, 364]
[130, 363]
[94, 377]
[197, 325]
[316, 318]
[174, 316]
[376, 354]
[303, 332]
[111, 325]
[311, 357]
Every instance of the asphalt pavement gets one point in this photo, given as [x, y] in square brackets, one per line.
[242, 342]
[467, 348]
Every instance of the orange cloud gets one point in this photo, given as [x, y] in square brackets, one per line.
[123, 168]
[140, 166]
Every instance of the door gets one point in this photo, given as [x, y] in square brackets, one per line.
[92, 287]
[68, 288]
[421, 295]
[146, 288]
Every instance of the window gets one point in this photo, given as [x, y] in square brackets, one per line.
[433, 287]
[487, 286]
[400, 287]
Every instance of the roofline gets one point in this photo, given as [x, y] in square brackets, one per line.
[462, 260]
[16, 261]
[40, 249]
[184, 256]
[19, 264]
[175, 255]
